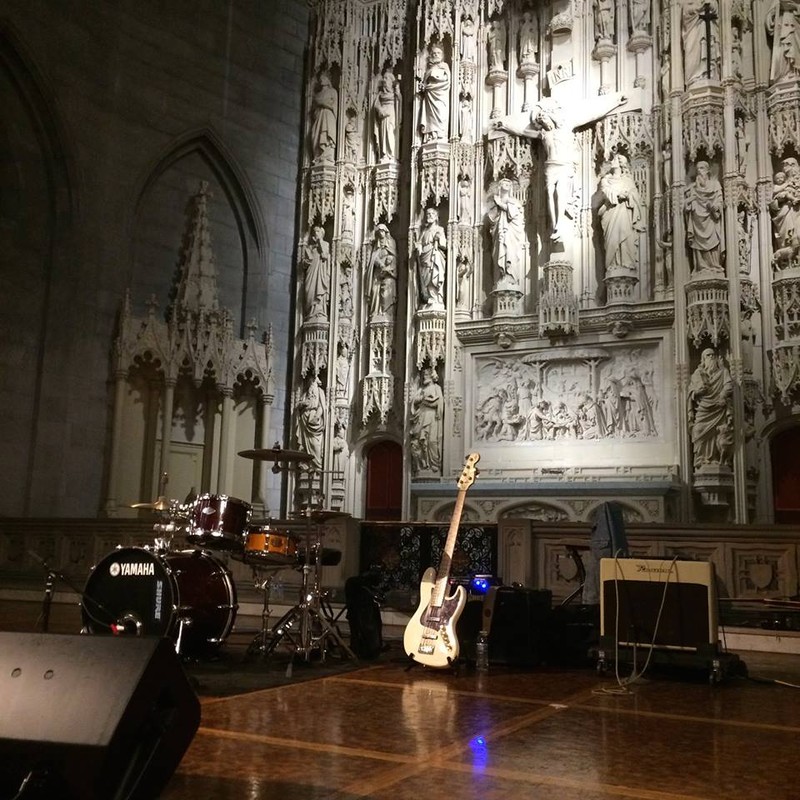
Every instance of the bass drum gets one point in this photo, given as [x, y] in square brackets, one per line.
[133, 591]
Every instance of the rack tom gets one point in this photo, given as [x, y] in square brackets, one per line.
[218, 522]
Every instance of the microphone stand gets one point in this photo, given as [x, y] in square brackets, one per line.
[49, 591]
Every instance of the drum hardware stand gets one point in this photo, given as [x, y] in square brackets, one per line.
[260, 643]
[307, 626]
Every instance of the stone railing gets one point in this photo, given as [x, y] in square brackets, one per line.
[750, 561]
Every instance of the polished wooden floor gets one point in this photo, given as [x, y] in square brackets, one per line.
[387, 733]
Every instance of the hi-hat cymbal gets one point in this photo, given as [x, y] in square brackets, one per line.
[319, 514]
[276, 454]
[160, 504]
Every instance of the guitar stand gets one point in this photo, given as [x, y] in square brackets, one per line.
[453, 667]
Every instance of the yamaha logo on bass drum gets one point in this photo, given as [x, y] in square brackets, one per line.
[135, 569]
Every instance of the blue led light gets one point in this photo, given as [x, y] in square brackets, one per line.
[480, 752]
[479, 585]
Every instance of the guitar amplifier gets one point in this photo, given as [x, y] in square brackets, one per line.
[516, 620]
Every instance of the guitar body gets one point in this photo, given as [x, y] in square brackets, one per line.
[430, 635]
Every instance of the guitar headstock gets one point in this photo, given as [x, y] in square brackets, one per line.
[469, 473]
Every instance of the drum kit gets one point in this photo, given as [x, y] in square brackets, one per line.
[189, 594]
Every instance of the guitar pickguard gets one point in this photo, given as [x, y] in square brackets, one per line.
[437, 618]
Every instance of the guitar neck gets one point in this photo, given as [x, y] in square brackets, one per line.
[442, 576]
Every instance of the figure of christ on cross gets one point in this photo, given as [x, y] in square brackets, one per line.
[555, 127]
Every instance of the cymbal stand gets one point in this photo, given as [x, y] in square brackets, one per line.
[304, 626]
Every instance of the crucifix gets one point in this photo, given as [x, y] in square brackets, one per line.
[708, 16]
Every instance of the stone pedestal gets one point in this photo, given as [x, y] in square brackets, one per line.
[558, 307]
[714, 484]
[497, 78]
[507, 302]
[621, 284]
[528, 71]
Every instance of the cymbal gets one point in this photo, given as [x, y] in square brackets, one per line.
[160, 504]
[276, 454]
[319, 515]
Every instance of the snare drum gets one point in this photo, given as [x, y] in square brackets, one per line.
[133, 591]
[265, 545]
[218, 522]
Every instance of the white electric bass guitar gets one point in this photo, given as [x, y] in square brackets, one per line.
[430, 636]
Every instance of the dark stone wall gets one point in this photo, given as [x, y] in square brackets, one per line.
[113, 112]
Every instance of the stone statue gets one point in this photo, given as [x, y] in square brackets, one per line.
[496, 45]
[465, 117]
[604, 20]
[346, 291]
[465, 201]
[468, 47]
[310, 422]
[435, 90]
[506, 223]
[382, 272]
[528, 39]
[639, 15]
[744, 234]
[352, 136]
[386, 111]
[742, 145]
[783, 24]
[784, 207]
[315, 261]
[700, 34]
[464, 272]
[431, 254]
[555, 127]
[348, 214]
[703, 208]
[342, 369]
[710, 409]
[324, 106]
[621, 215]
[736, 51]
[425, 424]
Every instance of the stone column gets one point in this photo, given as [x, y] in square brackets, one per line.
[167, 405]
[226, 442]
[116, 438]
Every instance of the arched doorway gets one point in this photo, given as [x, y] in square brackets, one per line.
[784, 449]
[384, 482]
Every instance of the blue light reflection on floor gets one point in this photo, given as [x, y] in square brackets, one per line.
[480, 753]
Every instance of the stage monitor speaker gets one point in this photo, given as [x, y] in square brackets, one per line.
[92, 717]
[516, 619]
[688, 618]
